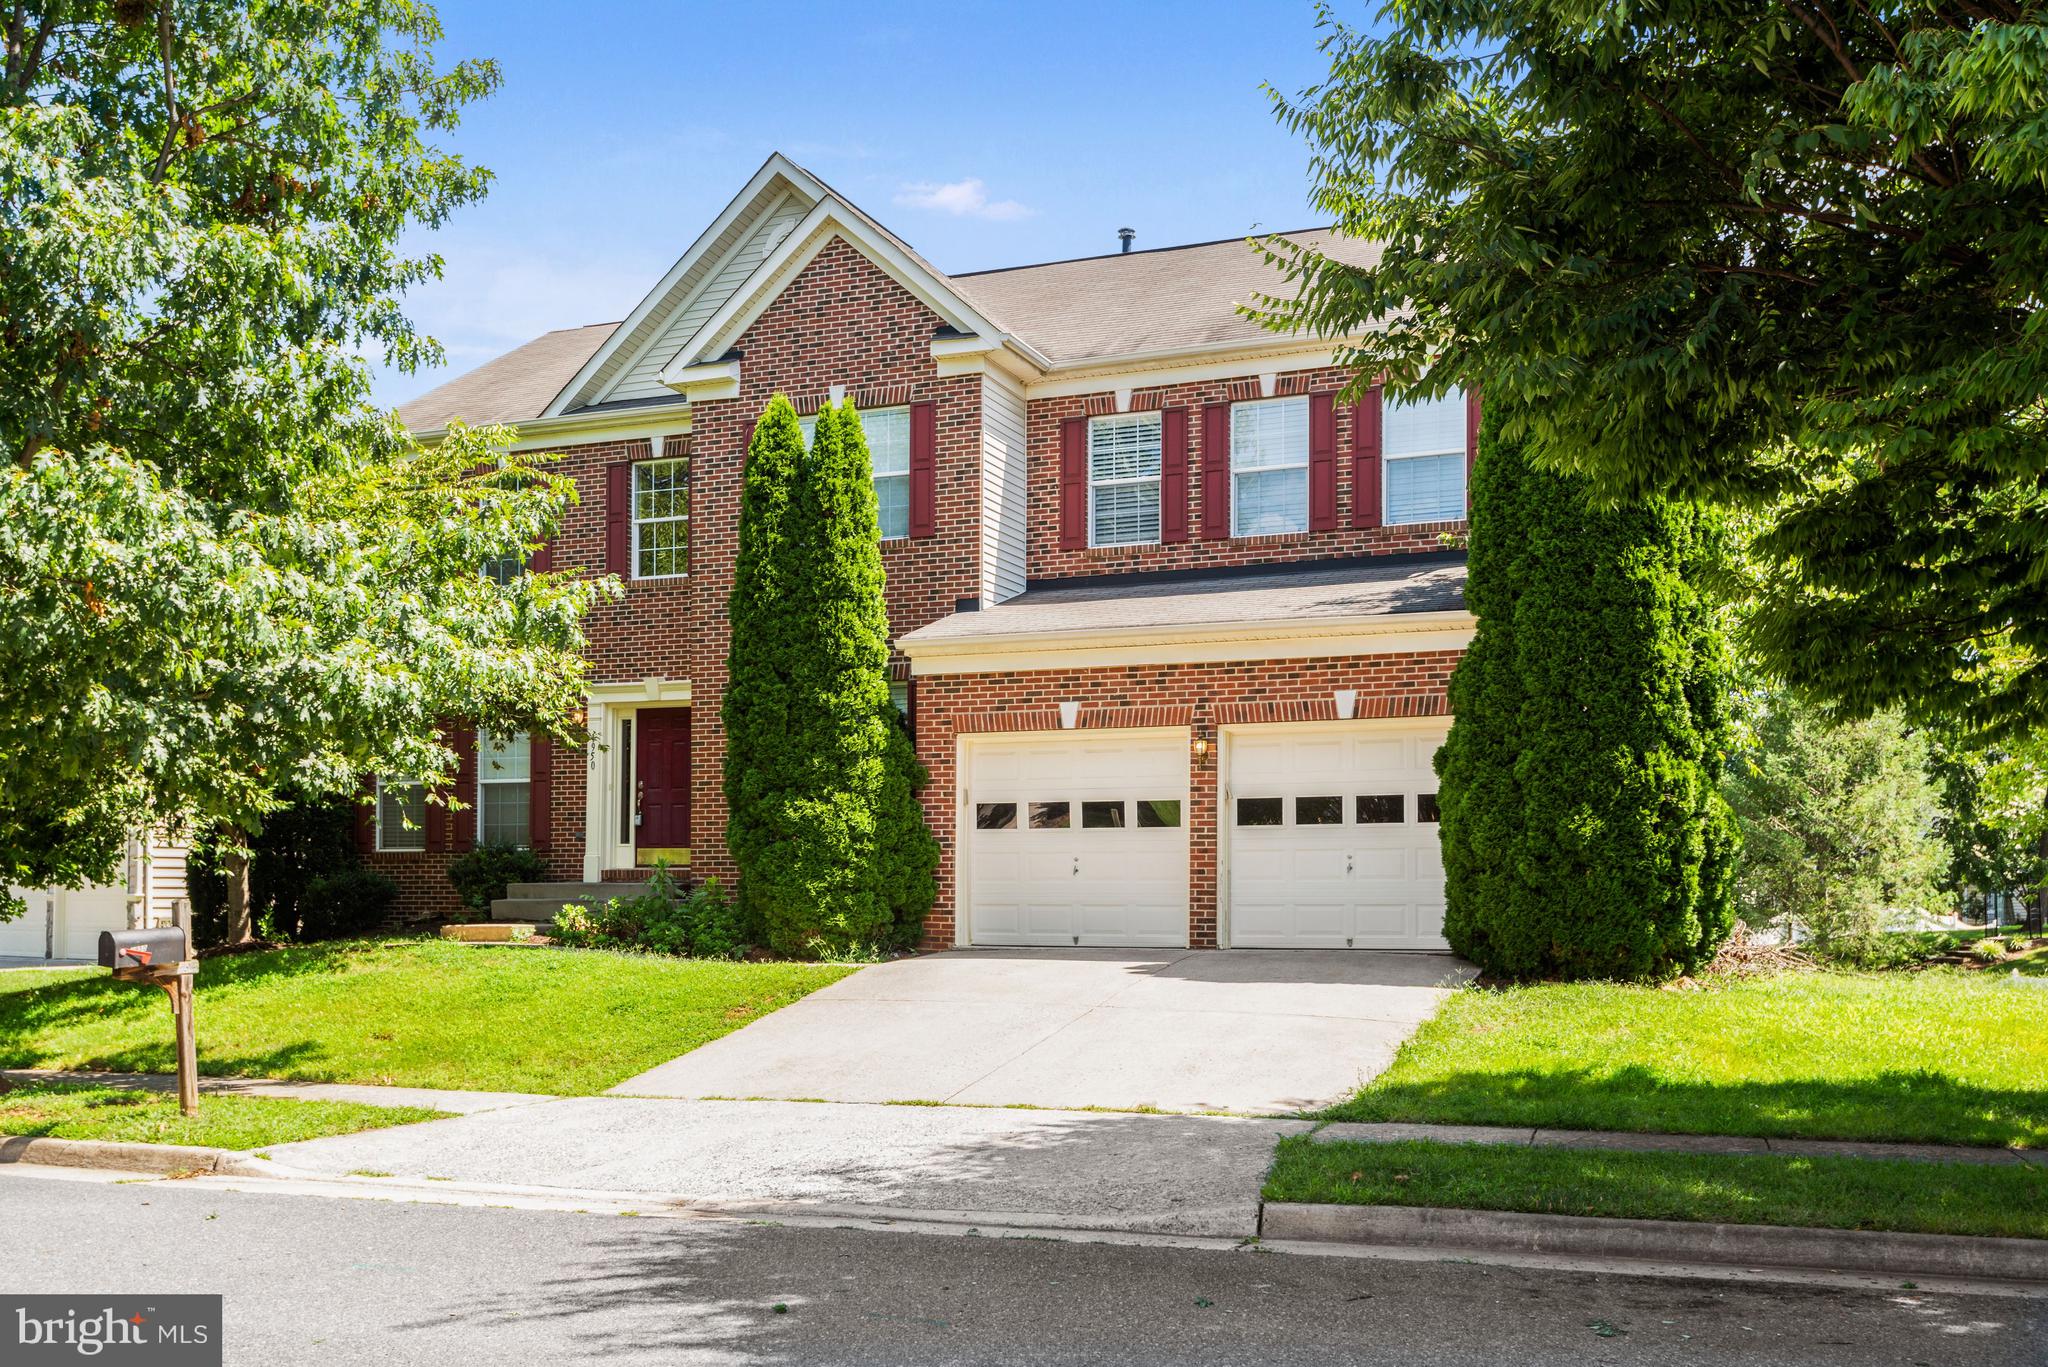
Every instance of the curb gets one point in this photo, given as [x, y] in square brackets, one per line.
[1495, 1231]
[128, 1157]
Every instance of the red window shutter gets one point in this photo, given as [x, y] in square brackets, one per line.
[543, 558]
[1365, 460]
[1074, 484]
[437, 823]
[924, 468]
[1173, 475]
[366, 822]
[618, 519]
[462, 825]
[539, 816]
[1216, 472]
[1322, 462]
[1471, 442]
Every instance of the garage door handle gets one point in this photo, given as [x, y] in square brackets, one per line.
[1077, 866]
[1347, 863]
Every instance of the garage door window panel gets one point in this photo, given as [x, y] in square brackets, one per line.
[1319, 811]
[1260, 811]
[1382, 809]
[1102, 816]
[995, 816]
[1426, 808]
[1051, 816]
[1159, 814]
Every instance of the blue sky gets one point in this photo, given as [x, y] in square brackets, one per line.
[986, 134]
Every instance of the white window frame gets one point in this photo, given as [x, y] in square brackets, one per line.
[484, 784]
[810, 428]
[682, 519]
[1237, 412]
[1388, 458]
[382, 846]
[1108, 421]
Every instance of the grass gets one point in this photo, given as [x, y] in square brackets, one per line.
[419, 1013]
[1942, 1056]
[1760, 1189]
[55, 1110]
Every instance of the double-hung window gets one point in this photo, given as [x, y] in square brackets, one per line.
[888, 435]
[504, 788]
[401, 815]
[661, 519]
[1423, 445]
[503, 569]
[1123, 480]
[1269, 467]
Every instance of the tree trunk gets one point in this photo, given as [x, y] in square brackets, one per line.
[2037, 914]
[235, 867]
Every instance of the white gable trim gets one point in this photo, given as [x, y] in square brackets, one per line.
[763, 186]
[828, 220]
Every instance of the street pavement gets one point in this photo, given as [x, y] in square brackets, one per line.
[318, 1281]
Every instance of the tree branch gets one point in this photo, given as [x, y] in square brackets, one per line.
[173, 121]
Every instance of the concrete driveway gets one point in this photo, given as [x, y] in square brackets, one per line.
[1251, 1032]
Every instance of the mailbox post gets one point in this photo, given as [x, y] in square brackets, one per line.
[162, 957]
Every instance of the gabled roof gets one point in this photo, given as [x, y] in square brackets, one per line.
[513, 388]
[1139, 303]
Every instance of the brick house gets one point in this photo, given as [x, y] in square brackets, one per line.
[1172, 624]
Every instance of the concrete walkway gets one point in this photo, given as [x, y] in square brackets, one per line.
[1249, 1032]
[1522, 1137]
[455, 1102]
[1197, 1175]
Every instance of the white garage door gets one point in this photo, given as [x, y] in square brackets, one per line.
[25, 934]
[81, 914]
[1333, 836]
[1074, 841]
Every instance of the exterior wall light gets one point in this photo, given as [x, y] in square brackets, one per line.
[1201, 749]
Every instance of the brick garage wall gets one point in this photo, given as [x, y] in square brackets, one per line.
[1045, 560]
[842, 321]
[1201, 697]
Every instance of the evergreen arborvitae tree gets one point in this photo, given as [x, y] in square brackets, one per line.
[822, 783]
[1584, 833]
[762, 766]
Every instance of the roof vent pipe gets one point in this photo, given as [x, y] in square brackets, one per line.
[1124, 235]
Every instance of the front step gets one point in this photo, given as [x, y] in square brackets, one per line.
[540, 901]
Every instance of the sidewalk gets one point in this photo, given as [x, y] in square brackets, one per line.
[1521, 1137]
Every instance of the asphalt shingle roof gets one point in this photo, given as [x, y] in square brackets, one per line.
[1372, 586]
[514, 387]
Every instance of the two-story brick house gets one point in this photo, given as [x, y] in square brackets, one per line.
[1173, 623]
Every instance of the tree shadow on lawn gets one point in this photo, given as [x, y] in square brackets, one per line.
[1905, 1106]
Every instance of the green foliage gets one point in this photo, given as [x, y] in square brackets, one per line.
[482, 875]
[1838, 824]
[225, 577]
[1742, 251]
[306, 880]
[1583, 832]
[1992, 825]
[821, 784]
[702, 924]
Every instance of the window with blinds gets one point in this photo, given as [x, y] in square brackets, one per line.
[888, 434]
[1123, 479]
[661, 519]
[401, 815]
[1423, 446]
[1269, 467]
[504, 788]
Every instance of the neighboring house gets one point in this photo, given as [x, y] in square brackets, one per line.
[65, 923]
[1172, 624]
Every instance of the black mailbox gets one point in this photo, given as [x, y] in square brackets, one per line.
[163, 947]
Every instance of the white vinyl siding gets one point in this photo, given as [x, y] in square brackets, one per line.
[641, 377]
[1123, 480]
[401, 815]
[888, 436]
[1423, 445]
[1003, 489]
[504, 788]
[661, 519]
[1269, 467]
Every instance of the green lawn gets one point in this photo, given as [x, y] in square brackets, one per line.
[421, 1013]
[53, 1110]
[1942, 1056]
[1826, 1193]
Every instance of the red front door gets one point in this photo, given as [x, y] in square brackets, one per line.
[663, 764]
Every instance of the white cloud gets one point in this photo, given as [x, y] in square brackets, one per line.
[960, 198]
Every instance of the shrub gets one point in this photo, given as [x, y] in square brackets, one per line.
[299, 845]
[703, 924]
[482, 876]
[1990, 949]
[1584, 834]
[335, 906]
